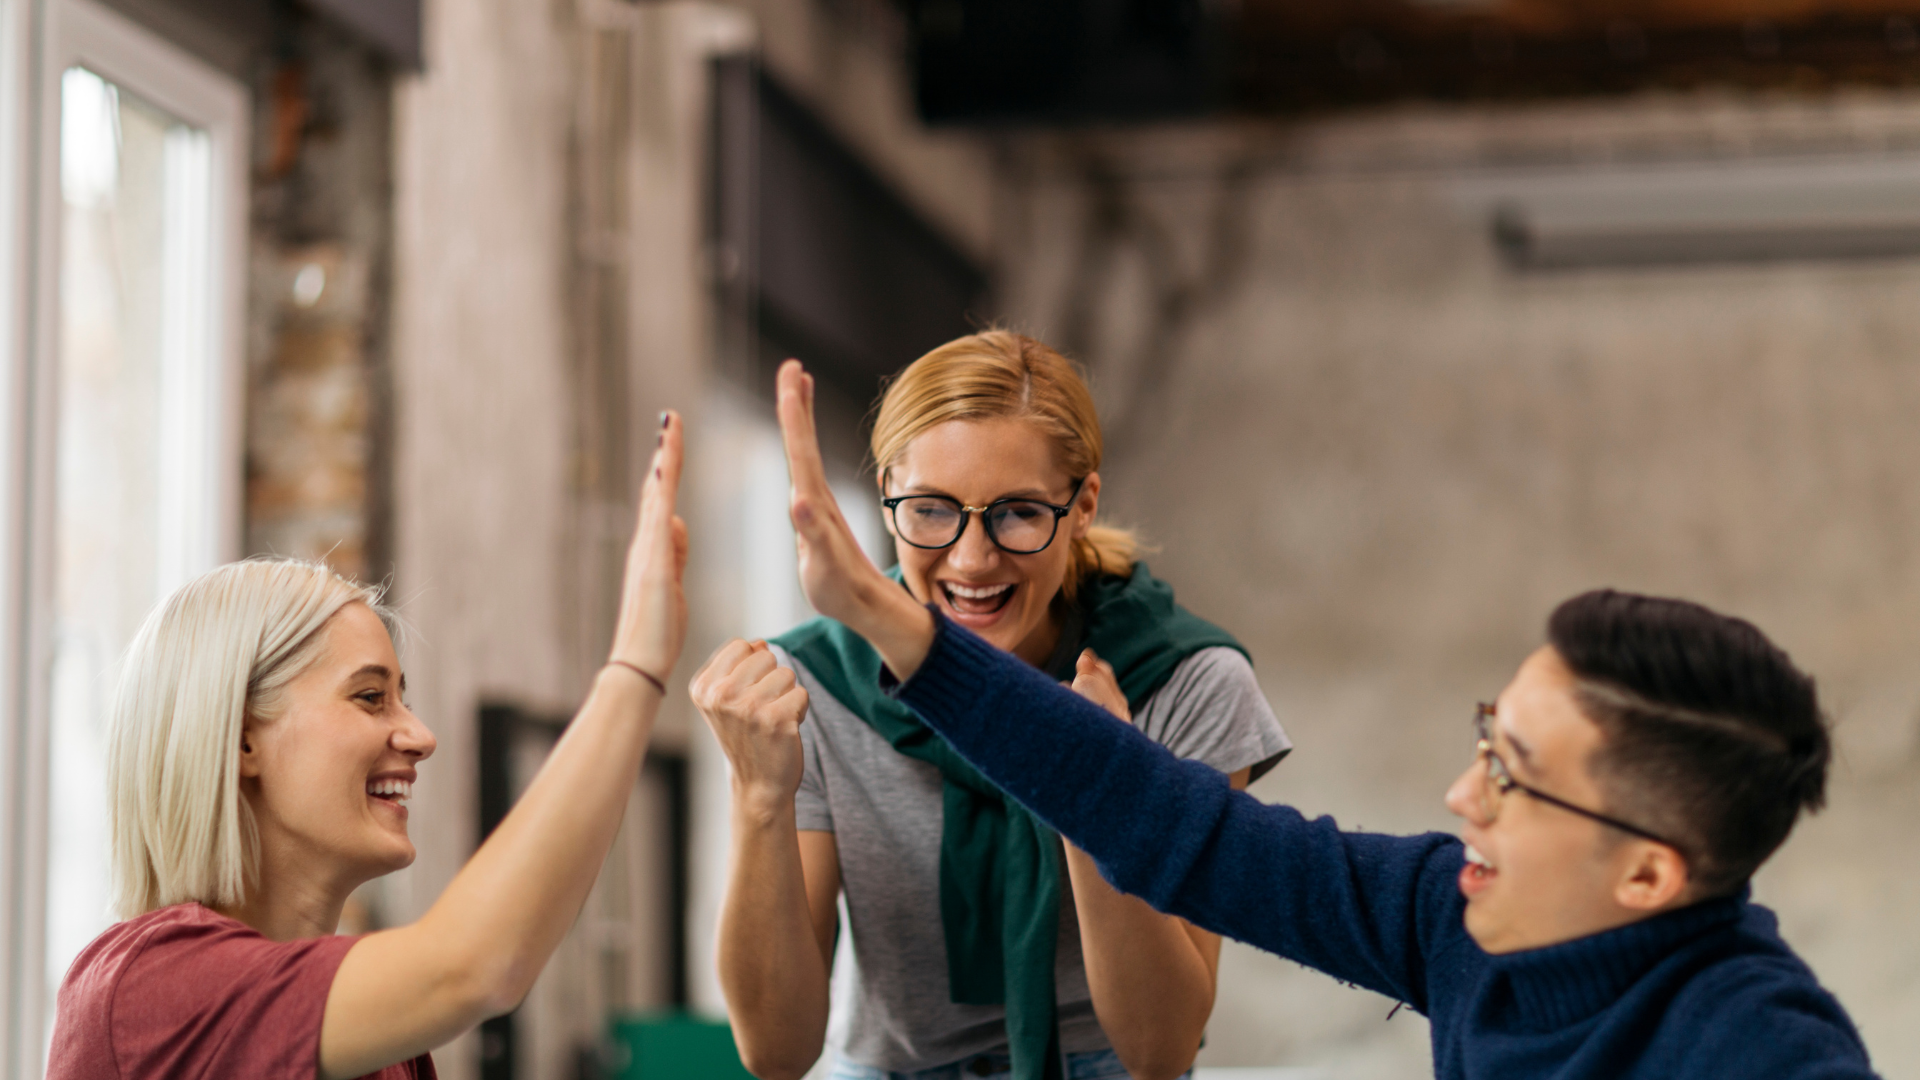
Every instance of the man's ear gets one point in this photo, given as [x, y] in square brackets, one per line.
[1656, 877]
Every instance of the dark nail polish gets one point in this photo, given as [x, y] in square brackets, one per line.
[665, 418]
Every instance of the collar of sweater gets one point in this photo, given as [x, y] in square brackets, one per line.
[1563, 984]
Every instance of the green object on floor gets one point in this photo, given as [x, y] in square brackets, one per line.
[675, 1046]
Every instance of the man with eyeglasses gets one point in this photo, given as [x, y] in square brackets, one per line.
[1592, 922]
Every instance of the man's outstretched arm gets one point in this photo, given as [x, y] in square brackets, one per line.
[1366, 908]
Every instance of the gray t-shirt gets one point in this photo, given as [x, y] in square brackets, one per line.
[891, 1008]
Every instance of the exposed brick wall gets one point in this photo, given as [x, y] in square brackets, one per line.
[316, 431]
[308, 435]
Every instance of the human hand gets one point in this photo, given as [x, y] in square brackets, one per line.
[838, 578]
[754, 707]
[653, 607]
[1094, 680]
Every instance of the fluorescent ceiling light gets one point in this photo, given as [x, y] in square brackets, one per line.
[1825, 208]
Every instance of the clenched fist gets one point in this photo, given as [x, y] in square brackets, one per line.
[754, 707]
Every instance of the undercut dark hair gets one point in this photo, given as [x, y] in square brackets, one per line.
[1711, 736]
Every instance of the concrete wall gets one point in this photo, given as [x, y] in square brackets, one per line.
[481, 403]
[1381, 456]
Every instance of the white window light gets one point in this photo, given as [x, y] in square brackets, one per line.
[122, 256]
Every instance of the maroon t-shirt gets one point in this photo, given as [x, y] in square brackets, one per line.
[187, 992]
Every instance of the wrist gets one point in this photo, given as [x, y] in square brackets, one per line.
[637, 671]
[901, 630]
[761, 806]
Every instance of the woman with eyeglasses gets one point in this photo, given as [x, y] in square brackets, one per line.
[980, 945]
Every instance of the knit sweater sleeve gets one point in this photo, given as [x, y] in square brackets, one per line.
[1377, 911]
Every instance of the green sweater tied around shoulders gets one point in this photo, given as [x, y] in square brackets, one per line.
[1000, 868]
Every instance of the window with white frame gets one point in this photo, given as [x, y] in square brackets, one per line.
[125, 442]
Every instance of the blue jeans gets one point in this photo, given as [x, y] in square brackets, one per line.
[1092, 1065]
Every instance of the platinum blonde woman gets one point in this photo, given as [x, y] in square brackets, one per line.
[262, 754]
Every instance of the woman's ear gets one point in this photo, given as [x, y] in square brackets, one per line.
[1089, 501]
[249, 757]
[886, 518]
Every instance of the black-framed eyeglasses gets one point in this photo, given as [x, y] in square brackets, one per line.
[1500, 780]
[1016, 526]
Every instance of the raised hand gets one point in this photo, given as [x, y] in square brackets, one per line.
[1094, 680]
[754, 707]
[653, 606]
[838, 578]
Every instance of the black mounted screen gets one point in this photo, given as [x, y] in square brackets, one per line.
[1064, 61]
[817, 254]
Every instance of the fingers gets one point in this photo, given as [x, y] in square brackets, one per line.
[660, 493]
[794, 403]
[719, 666]
[1091, 664]
[1094, 680]
[651, 627]
[792, 703]
[815, 512]
[741, 678]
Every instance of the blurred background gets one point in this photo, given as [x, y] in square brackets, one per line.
[1407, 319]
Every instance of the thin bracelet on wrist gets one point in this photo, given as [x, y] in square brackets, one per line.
[643, 673]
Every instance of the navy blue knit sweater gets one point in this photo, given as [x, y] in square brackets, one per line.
[1707, 991]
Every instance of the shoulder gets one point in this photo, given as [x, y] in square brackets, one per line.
[184, 928]
[1212, 709]
[87, 991]
[1769, 982]
[166, 932]
[150, 974]
[1757, 1002]
[190, 947]
[1217, 667]
[1208, 680]
[187, 991]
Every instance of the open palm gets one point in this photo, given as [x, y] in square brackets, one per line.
[838, 578]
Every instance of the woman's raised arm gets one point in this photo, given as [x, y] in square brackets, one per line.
[477, 951]
[839, 580]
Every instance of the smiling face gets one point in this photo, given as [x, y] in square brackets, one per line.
[328, 778]
[1538, 874]
[1004, 598]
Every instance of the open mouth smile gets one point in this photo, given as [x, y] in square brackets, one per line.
[393, 792]
[1477, 874]
[977, 599]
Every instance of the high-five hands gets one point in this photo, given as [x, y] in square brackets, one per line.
[653, 606]
[838, 578]
[1094, 680]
